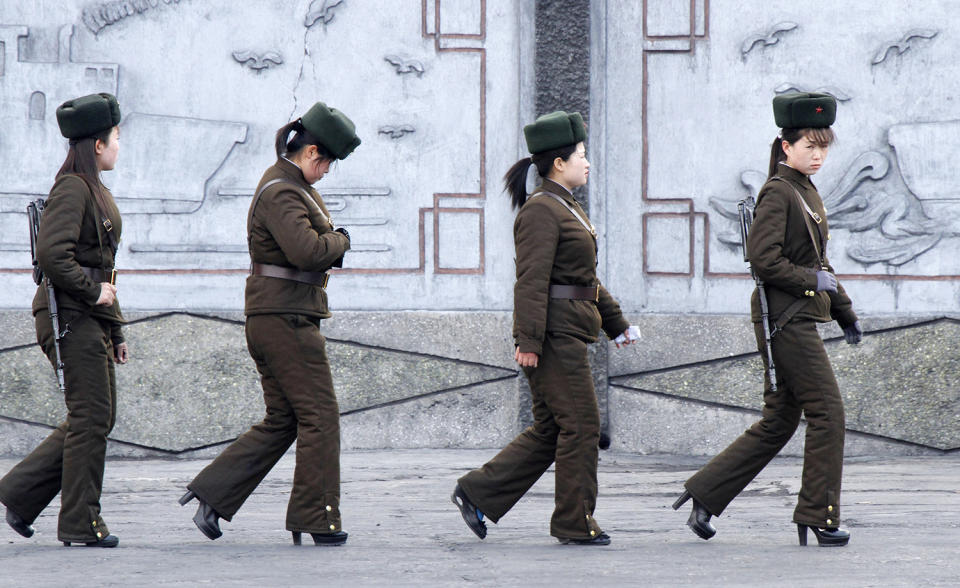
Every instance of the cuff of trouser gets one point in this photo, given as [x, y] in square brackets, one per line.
[98, 531]
[326, 521]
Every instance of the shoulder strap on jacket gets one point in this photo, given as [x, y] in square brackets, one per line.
[586, 224]
[817, 248]
[307, 199]
[105, 221]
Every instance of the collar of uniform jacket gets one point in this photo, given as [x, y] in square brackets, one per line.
[293, 170]
[559, 190]
[801, 179]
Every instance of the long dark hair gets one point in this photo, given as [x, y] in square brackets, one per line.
[81, 160]
[302, 139]
[515, 180]
[822, 137]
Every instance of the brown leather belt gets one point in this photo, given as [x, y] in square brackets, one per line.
[575, 292]
[288, 273]
[100, 275]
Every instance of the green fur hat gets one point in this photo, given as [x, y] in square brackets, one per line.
[332, 128]
[804, 110]
[555, 130]
[88, 115]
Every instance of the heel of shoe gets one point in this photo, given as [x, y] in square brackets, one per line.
[802, 534]
[680, 501]
[297, 538]
[187, 497]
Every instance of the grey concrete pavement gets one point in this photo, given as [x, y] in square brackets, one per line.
[902, 513]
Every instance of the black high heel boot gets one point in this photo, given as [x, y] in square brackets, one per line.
[328, 539]
[206, 519]
[19, 525]
[825, 537]
[699, 521]
[469, 511]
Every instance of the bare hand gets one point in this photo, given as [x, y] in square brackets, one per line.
[120, 353]
[526, 359]
[108, 293]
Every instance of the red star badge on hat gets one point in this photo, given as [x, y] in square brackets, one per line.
[819, 109]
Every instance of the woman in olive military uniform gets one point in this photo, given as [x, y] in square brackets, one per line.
[292, 244]
[787, 250]
[75, 249]
[559, 307]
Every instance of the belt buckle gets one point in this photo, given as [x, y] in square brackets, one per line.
[113, 277]
[326, 278]
[596, 296]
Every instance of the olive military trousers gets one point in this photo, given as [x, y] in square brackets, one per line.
[805, 383]
[301, 406]
[566, 430]
[70, 461]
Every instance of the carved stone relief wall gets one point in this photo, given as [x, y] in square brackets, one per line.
[699, 141]
[203, 86]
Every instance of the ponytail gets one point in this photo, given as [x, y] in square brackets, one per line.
[299, 141]
[776, 156]
[515, 180]
[280, 145]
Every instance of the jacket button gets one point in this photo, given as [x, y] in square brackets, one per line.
[329, 508]
[829, 521]
[334, 527]
[829, 509]
[593, 533]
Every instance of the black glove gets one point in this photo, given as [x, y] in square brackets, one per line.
[343, 232]
[853, 333]
[826, 281]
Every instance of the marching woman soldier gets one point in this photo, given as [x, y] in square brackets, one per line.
[559, 308]
[75, 249]
[787, 250]
[292, 244]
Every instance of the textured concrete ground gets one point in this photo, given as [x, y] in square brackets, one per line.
[902, 513]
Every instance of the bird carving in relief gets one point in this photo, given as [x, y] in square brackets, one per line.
[903, 44]
[405, 66]
[321, 10]
[770, 38]
[396, 131]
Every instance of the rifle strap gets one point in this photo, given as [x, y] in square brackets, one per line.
[787, 315]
